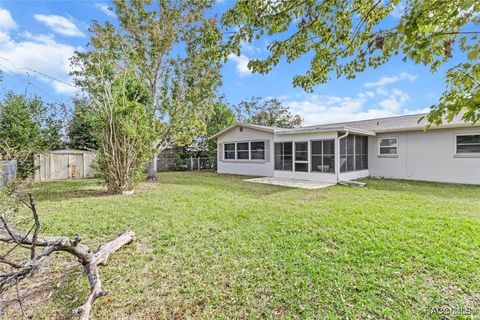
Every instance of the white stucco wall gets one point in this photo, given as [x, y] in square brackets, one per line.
[428, 156]
[353, 175]
[246, 167]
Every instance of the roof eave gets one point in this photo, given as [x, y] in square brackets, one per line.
[422, 127]
[239, 124]
[318, 130]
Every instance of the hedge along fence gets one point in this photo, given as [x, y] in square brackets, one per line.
[8, 172]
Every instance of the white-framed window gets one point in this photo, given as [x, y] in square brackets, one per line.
[229, 151]
[257, 150]
[388, 146]
[244, 150]
[467, 144]
[301, 156]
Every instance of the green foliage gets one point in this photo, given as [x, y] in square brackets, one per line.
[462, 96]
[269, 113]
[125, 129]
[221, 118]
[172, 46]
[347, 37]
[80, 130]
[27, 126]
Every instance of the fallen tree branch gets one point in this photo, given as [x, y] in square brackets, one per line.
[89, 260]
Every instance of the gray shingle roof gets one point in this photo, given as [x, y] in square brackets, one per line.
[372, 126]
[407, 122]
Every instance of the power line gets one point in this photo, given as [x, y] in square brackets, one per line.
[27, 82]
[42, 74]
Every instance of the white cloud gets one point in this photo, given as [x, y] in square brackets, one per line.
[6, 24]
[250, 48]
[321, 109]
[4, 37]
[394, 101]
[6, 21]
[241, 62]
[398, 10]
[41, 53]
[389, 80]
[60, 25]
[105, 9]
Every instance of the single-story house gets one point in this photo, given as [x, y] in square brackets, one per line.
[395, 147]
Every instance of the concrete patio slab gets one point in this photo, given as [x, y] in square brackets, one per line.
[292, 183]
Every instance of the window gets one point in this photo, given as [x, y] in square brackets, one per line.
[353, 153]
[229, 151]
[468, 144]
[388, 146]
[254, 150]
[301, 156]
[323, 156]
[283, 156]
[257, 150]
[243, 151]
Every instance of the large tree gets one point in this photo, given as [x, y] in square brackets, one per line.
[123, 120]
[173, 48]
[221, 118]
[27, 126]
[345, 37]
[270, 112]
[80, 129]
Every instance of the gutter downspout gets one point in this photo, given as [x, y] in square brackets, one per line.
[340, 138]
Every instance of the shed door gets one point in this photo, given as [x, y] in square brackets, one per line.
[60, 166]
[75, 166]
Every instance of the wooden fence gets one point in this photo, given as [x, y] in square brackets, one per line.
[8, 172]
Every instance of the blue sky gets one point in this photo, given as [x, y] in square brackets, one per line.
[43, 35]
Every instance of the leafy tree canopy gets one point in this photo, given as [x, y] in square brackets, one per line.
[80, 130]
[222, 117]
[27, 126]
[346, 37]
[173, 47]
[270, 113]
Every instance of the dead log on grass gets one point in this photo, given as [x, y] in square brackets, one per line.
[19, 270]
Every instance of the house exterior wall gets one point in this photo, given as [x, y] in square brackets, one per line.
[428, 156]
[311, 175]
[353, 175]
[246, 167]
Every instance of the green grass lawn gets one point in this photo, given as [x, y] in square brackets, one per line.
[214, 246]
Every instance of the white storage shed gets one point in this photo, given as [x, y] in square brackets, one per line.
[64, 164]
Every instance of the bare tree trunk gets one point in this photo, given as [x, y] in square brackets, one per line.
[22, 269]
[152, 168]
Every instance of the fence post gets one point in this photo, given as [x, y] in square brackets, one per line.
[198, 163]
[191, 164]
